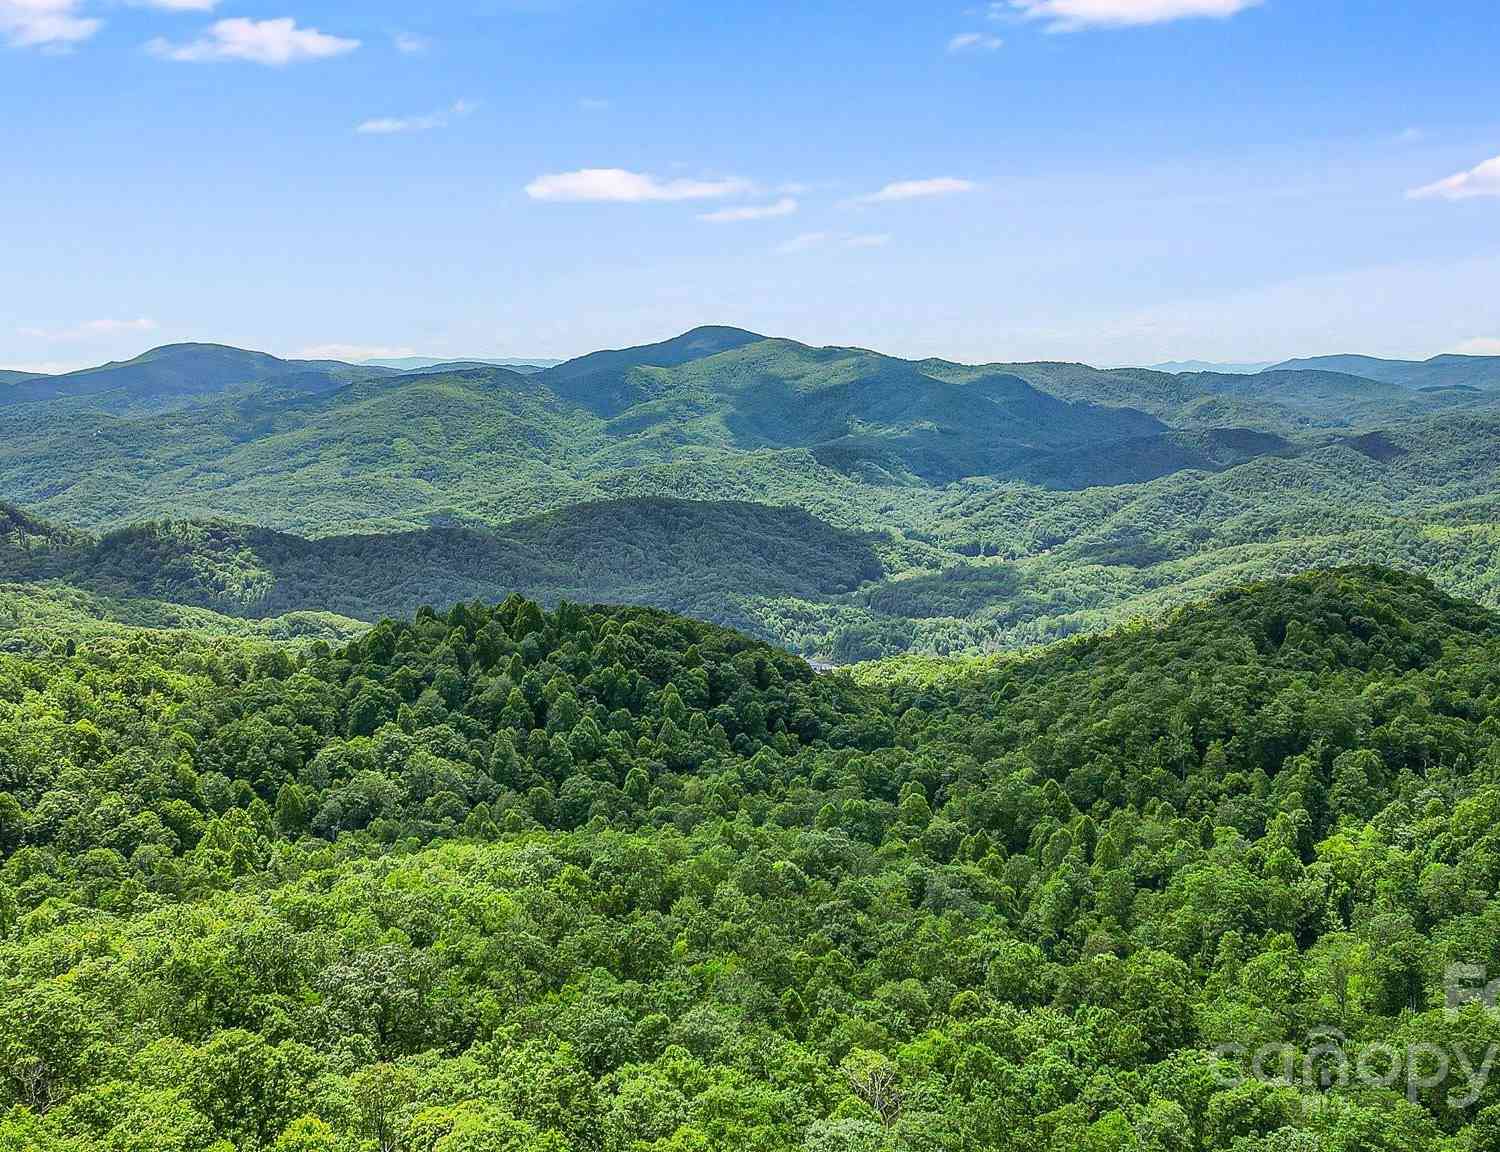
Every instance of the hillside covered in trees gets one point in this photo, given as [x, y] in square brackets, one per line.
[610, 879]
[841, 503]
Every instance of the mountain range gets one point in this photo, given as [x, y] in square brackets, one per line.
[1176, 366]
[412, 363]
[1449, 371]
[837, 500]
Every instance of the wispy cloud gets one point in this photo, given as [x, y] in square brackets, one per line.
[394, 125]
[1072, 15]
[176, 5]
[91, 330]
[1480, 346]
[594, 104]
[618, 186]
[1481, 180]
[410, 45]
[271, 42]
[52, 25]
[806, 242]
[786, 206]
[809, 241]
[918, 190]
[974, 42]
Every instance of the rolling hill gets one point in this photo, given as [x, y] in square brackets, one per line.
[841, 502]
[1283, 402]
[416, 363]
[488, 445]
[1178, 366]
[1447, 371]
[981, 565]
[176, 373]
[609, 879]
[713, 560]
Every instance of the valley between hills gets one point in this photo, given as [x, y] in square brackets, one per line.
[842, 503]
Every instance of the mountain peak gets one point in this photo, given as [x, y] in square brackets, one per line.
[170, 373]
[599, 381]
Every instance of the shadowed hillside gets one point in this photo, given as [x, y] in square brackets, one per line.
[1002, 504]
[709, 559]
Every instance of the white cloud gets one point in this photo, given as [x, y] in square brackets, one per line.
[272, 42]
[1071, 15]
[409, 45]
[54, 25]
[617, 186]
[786, 206]
[1483, 180]
[91, 330]
[803, 243]
[1480, 346]
[918, 190]
[974, 42]
[393, 125]
[352, 353]
[176, 5]
[808, 241]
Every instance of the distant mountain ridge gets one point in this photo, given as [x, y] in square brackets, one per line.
[1447, 371]
[411, 363]
[1233, 369]
[714, 413]
[840, 501]
[183, 371]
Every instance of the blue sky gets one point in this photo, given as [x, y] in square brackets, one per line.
[1115, 181]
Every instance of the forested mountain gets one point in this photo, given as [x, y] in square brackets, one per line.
[1210, 366]
[903, 505]
[609, 880]
[10, 376]
[175, 373]
[608, 382]
[1447, 371]
[416, 363]
[490, 444]
[714, 560]
[1284, 402]
[701, 415]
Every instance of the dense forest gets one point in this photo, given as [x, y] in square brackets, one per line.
[500, 878]
[693, 556]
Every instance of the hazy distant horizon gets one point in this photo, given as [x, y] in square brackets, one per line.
[417, 360]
